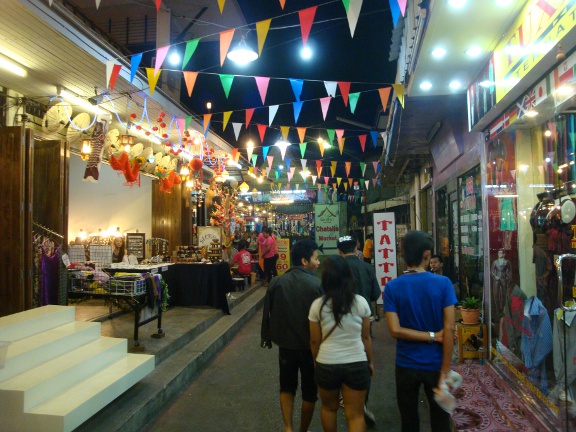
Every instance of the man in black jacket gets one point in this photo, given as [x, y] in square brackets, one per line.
[285, 322]
[365, 284]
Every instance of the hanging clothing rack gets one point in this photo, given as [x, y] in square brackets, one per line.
[47, 230]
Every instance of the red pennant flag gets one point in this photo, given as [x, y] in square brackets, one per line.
[344, 90]
[115, 72]
[262, 131]
[249, 113]
[318, 167]
[306, 20]
[384, 95]
[374, 182]
[190, 80]
[234, 153]
[362, 139]
[375, 165]
[158, 3]
[326, 179]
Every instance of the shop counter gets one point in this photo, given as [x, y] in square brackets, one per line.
[199, 285]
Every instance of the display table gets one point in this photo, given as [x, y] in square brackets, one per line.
[199, 285]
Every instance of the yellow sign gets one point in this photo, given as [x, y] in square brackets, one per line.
[283, 263]
[539, 27]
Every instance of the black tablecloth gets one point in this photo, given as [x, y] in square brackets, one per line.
[199, 285]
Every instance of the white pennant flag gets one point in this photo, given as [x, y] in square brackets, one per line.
[331, 87]
[353, 13]
[363, 167]
[109, 69]
[97, 4]
[304, 162]
[272, 110]
[50, 2]
[314, 179]
[367, 183]
[237, 127]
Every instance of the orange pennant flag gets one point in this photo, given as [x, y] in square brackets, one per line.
[152, 79]
[285, 130]
[249, 113]
[399, 89]
[226, 116]
[207, 118]
[282, 3]
[341, 144]
[301, 133]
[334, 185]
[384, 95]
[221, 5]
[225, 41]
[190, 80]
[321, 147]
[350, 181]
[262, 28]
[347, 165]
[344, 90]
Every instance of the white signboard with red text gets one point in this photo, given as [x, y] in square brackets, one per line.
[385, 249]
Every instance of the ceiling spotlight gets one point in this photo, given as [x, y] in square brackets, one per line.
[457, 4]
[564, 90]
[474, 51]
[548, 134]
[242, 54]
[174, 58]
[306, 53]
[439, 53]
[12, 67]
[455, 85]
[531, 113]
[426, 85]
[209, 105]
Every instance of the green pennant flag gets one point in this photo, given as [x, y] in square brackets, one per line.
[362, 183]
[346, 4]
[303, 149]
[277, 175]
[362, 168]
[254, 159]
[330, 133]
[187, 124]
[226, 83]
[190, 48]
[353, 100]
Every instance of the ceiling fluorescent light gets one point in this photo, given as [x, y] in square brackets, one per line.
[10, 66]
[474, 51]
[457, 4]
[438, 53]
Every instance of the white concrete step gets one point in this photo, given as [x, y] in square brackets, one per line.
[47, 380]
[24, 324]
[75, 405]
[39, 348]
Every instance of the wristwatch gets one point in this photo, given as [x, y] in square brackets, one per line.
[431, 340]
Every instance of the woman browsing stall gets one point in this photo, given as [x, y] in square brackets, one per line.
[341, 346]
[119, 250]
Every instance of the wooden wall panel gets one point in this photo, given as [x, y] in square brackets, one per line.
[166, 214]
[12, 220]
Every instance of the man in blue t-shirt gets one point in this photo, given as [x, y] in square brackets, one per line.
[419, 308]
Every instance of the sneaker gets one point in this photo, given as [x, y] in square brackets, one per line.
[369, 417]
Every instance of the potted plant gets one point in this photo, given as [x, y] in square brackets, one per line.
[471, 310]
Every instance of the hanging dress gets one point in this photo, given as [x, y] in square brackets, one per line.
[49, 277]
[507, 216]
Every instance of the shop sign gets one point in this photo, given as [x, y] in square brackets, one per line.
[327, 227]
[540, 26]
[283, 263]
[385, 248]
[208, 233]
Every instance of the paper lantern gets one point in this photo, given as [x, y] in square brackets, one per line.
[196, 164]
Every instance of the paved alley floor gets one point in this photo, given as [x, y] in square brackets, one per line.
[239, 391]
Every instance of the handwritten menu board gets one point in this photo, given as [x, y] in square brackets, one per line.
[135, 244]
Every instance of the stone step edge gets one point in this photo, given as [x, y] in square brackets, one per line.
[132, 411]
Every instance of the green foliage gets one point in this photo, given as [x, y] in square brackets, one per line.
[165, 296]
[471, 303]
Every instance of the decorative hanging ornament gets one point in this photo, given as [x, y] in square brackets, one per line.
[196, 164]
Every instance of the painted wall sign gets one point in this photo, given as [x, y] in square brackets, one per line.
[208, 233]
[327, 227]
[385, 249]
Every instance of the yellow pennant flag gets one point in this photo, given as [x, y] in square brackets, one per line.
[227, 115]
[221, 5]
[333, 168]
[345, 187]
[338, 180]
[262, 28]
[152, 79]
[321, 147]
[399, 90]
[285, 130]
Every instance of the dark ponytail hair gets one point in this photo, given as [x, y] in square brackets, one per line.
[338, 283]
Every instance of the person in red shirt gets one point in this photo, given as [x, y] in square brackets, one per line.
[243, 259]
[268, 252]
